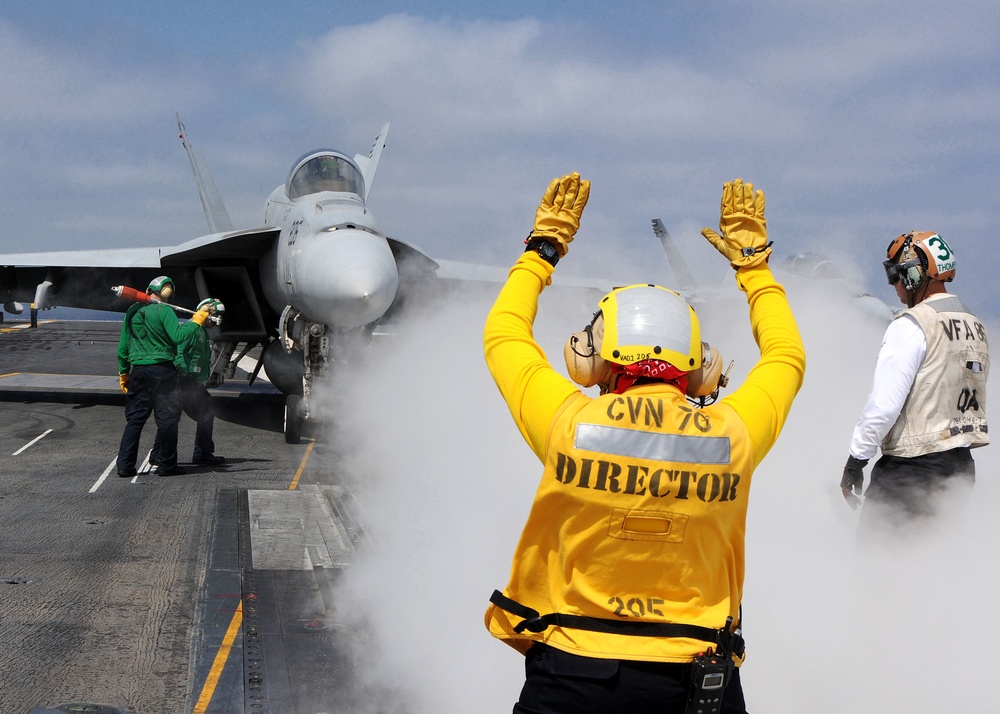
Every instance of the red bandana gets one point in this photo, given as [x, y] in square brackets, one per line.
[649, 369]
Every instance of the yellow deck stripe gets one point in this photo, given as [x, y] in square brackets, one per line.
[302, 466]
[220, 661]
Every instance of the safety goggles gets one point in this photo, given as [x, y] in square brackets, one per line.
[894, 272]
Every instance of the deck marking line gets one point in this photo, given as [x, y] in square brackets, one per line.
[220, 661]
[97, 484]
[302, 466]
[144, 468]
[37, 438]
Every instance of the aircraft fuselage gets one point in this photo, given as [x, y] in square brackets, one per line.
[330, 262]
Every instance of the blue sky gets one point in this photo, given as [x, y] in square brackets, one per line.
[860, 120]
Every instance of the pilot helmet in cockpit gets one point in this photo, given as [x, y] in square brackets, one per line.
[325, 167]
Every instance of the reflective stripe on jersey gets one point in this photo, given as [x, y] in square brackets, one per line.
[658, 447]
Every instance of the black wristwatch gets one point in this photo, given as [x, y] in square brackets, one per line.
[546, 249]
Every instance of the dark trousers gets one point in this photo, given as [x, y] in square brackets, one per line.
[152, 389]
[558, 682]
[904, 490]
[196, 402]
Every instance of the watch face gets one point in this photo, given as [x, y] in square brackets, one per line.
[546, 250]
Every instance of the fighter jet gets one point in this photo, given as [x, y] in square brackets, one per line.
[802, 271]
[318, 277]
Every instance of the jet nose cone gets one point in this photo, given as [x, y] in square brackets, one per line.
[346, 278]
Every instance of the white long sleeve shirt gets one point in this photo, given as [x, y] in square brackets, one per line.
[899, 358]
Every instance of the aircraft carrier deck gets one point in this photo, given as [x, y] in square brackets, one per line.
[206, 592]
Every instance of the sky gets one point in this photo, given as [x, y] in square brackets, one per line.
[859, 120]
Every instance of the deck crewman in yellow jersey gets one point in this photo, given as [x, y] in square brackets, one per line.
[626, 584]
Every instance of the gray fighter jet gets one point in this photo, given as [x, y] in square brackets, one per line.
[317, 277]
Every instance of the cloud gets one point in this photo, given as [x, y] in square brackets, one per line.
[52, 85]
[520, 79]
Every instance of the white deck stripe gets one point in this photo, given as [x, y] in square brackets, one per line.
[97, 484]
[144, 467]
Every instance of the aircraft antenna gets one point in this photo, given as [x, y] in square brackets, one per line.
[674, 257]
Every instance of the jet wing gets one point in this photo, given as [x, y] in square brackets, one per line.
[452, 270]
[223, 265]
[417, 269]
[239, 246]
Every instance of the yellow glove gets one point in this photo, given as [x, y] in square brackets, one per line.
[123, 382]
[558, 217]
[199, 317]
[744, 229]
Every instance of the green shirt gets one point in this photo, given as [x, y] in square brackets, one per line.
[150, 335]
[194, 354]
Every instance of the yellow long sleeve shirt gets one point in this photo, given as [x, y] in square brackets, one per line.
[640, 514]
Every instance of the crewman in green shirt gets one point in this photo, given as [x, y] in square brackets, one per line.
[194, 366]
[147, 349]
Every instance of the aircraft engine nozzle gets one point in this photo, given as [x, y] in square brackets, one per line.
[345, 278]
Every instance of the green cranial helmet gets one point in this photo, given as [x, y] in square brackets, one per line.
[157, 284]
[213, 302]
[327, 167]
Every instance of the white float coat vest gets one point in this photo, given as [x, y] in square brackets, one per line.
[946, 406]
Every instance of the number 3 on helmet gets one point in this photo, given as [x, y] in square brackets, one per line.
[918, 256]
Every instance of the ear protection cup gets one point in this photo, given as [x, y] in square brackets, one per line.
[582, 353]
[708, 378]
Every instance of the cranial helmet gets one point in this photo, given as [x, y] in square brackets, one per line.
[918, 256]
[650, 322]
[643, 322]
[326, 167]
[157, 284]
[217, 304]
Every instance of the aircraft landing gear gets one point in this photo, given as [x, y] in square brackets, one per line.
[310, 342]
[295, 418]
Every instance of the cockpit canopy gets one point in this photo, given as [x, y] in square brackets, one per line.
[813, 265]
[324, 170]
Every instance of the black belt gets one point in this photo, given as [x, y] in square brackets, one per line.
[724, 639]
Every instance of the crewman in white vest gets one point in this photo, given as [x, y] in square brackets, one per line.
[626, 584]
[927, 405]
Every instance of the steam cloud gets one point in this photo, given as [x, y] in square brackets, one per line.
[896, 623]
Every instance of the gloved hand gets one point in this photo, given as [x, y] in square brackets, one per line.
[744, 229]
[123, 382]
[558, 217]
[203, 314]
[853, 478]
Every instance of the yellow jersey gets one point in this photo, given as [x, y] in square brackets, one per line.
[640, 515]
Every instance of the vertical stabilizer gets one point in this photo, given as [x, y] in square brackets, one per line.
[211, 201]
[369, 163]
[674, 257]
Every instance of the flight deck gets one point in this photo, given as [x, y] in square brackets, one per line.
[211, 592]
